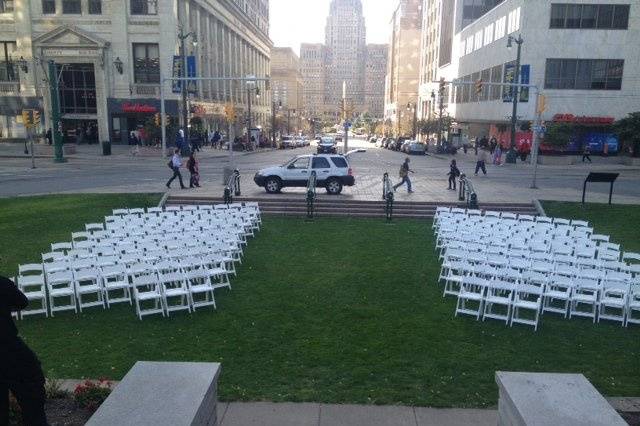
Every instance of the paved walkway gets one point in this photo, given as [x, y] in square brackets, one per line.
[309, 414]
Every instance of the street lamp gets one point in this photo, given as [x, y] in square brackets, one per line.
[22, 63]
[512, 155]
[185, 113]
[412, 107]
[118, 64]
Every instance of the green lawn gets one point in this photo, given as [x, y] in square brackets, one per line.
[339, 310]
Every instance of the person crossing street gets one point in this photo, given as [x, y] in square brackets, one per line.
[404, 175]
[175, 163]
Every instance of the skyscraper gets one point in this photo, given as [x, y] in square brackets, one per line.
[345, 38]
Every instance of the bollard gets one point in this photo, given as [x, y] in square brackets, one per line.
[473, 201]
[237, 180]
[463, 181]
[228, 199]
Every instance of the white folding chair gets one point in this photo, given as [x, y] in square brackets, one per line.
[88, 283]
[527, 298]
[31, 282]
[471, 292]
[94, 227]
[115, 279]
[147, 291]
[215, 267]
[633, 305]
[498, 294]
[586, 291]
[173, 286]
[613, 301]
[200, 288]
[556, 295]
[60, 285]
[61, 247]
[120, 212]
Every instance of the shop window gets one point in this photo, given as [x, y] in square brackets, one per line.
[146, 63]
[95, 7]
[71, 7]
[6, 6]
[144, 7]
[49, 7]
[8, 69]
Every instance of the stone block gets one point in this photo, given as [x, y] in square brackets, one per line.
[556, 160]
[163, 394]
[546, 399]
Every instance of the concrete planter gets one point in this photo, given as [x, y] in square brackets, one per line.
[557, 160]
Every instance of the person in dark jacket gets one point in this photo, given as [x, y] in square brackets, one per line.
[49, 136]
[404, 175]
[454, 172]
[193, 167]
[586, 153]
[20, 370]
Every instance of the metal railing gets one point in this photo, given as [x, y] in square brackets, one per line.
[9, 87]
[467, 193]
[232, 188]
[311, 195]
[387, 195]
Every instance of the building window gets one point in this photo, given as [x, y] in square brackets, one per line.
[144, 7]
[8, 70]
[584, 74]
[71, 7]
[601, 16]
[77, 89]
[49, 7]
[95, 7]
[146, 63]
[6, 6]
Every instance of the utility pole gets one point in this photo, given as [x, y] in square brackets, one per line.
[512, 155]
[273, 124]
[541, 105]
[56, 123]
[249, 118]
[288, 121]
[183, 73]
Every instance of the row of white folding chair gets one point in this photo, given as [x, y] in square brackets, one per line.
[507, 215]
[31, 281]
[572, 292]
[487, 295]
[513, 224]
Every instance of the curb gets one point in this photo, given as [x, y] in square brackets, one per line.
[163, 200]
[538, 205]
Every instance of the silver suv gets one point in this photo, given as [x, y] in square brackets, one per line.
[332, 172]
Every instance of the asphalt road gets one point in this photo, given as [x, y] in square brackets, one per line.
[89, 172]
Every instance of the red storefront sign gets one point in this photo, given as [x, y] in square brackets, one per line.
[138, 108]
[570, 118]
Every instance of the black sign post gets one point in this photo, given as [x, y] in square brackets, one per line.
[600, 177]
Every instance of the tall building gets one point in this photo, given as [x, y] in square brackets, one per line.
[286, 81]
[345, 39]
[312, 68]
[583, 57]
[430, 56]
[403, 65]
[375, 72]
[110, 57]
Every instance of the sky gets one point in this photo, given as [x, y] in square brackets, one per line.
[302, 21]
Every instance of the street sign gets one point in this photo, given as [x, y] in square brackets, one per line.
[347, 124]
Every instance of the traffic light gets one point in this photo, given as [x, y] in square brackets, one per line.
[443, 85]
[479, 87]
[542, 104]
[36, 117]
[167, 119]
[257, 92]
[230, 112]
[157, 119]
[27, 117]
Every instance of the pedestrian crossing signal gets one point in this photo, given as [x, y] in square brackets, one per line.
[157, 119]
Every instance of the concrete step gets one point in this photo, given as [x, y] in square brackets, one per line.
[290, 206]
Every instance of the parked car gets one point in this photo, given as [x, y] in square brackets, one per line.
[327, 145]
[287, 142]
[417, 148]
[380, 142]
[373, 139]
[405, 146]
[388, 143]
[299, 142]
[332, 171]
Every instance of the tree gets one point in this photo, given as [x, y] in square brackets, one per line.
[559, 134]
[628, 130]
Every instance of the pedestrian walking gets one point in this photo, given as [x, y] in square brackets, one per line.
[476, 142]
[193, 167]
[454, 172]
[174, 164]
[404, 175]
[586, 153]
[215, 141]
[20, 370]
[497, 155]
[49, 136]
[493, 144]
[482, 160]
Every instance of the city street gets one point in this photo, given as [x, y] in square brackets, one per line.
[89, 172]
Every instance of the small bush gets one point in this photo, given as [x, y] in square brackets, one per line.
[52, 389]
[91, 395]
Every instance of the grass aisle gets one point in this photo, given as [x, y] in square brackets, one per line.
[341, 311]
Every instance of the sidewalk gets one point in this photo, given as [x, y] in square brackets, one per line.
[311, 414]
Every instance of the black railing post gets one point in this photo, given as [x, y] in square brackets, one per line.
[387, 195]
[463, 181]
[236, 175]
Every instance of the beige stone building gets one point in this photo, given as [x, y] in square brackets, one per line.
[286, 80]
[403, 66]
[375, 72]
[111, 56]
[312, 68]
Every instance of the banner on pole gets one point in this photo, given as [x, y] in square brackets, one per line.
[525, 76]
[192, 85]
[509, 77]
[176, 85]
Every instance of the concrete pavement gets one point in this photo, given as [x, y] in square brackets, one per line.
[312, 414]
[88, 172]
